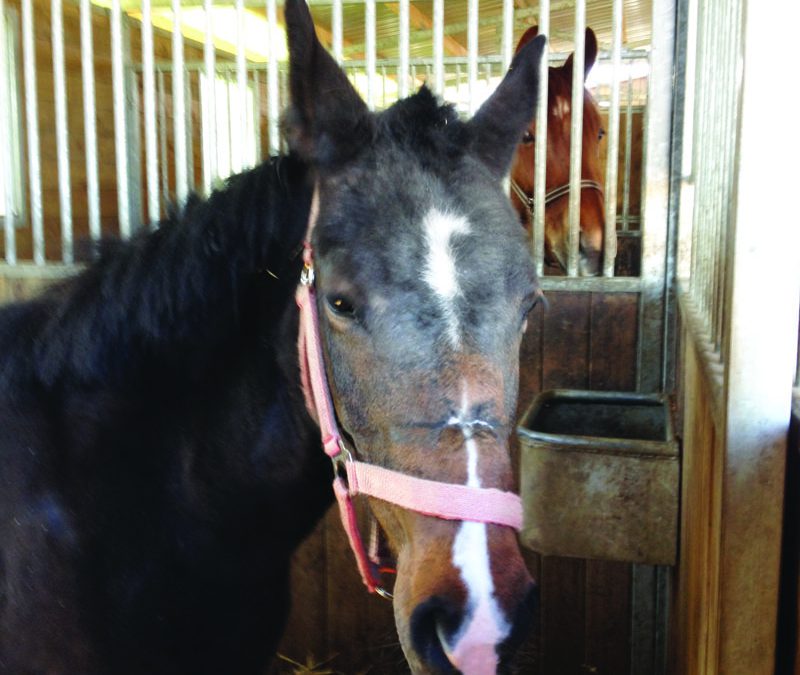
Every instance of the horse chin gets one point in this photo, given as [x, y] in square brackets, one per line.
[589, 264]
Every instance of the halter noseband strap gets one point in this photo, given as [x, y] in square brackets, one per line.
[432, 498]
[553, 194]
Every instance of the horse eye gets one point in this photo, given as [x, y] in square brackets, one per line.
[528, 138]
[341, 306]
[601, 135]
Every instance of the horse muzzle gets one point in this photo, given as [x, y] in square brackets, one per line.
[462, 610]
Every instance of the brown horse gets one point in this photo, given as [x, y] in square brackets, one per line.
[559, 120]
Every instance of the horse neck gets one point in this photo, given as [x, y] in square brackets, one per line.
[174, 297]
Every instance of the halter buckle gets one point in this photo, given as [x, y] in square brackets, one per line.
[307, 275]
[340, 460]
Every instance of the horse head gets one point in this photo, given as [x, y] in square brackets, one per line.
[423, 286]
[559, 137]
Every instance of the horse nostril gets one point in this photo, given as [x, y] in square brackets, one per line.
[524, 620]
[433, 622]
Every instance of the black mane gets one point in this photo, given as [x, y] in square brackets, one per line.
[160, 292]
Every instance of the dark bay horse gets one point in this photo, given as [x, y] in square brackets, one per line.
[158, 464]
[559, 135]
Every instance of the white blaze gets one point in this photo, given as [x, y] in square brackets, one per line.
[474, 650]
[440, 267]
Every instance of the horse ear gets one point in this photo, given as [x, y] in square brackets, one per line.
[327, 122]
[527, 36]
[500, 122]
[589, 54]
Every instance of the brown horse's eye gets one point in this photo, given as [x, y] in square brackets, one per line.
[528, 138]
[601, 135]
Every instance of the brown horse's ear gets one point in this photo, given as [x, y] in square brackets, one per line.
[527, 36]
[500, 122]
[327, 122]
[589, 55]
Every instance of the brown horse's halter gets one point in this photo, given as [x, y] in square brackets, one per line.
[351, 477]
[553, 194]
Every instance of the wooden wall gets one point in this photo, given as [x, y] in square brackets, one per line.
[734, 614]
[584, 340]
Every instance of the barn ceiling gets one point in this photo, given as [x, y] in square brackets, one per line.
[635, 25]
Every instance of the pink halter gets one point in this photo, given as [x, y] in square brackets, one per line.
[432, 498]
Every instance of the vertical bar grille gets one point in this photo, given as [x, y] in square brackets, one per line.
[716, 95]
[385, 64]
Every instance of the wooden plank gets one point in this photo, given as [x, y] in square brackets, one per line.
[614, 331]
[608, 625]
[563, 616]
[566, 341]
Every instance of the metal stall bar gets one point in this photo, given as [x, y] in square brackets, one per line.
[369, 30]
[402, 76]
[576, 141]
[255, 116]
[438, 46]
[699, 156]
[508, 33]
[5, 142]
[273, 100]
[187, 87]
[700, 272]
[120, 128]
[655, 210]
[540, 151]
[163, 133]
[730, 118]
[715, 171]
[626, 184]
[472, 54]
[241, 82]
[209, 110]
[32, 124]
[62, 130]
[178, 106]
[149, 87]
[612, 162]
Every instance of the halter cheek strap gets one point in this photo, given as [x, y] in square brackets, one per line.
[432, 498]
